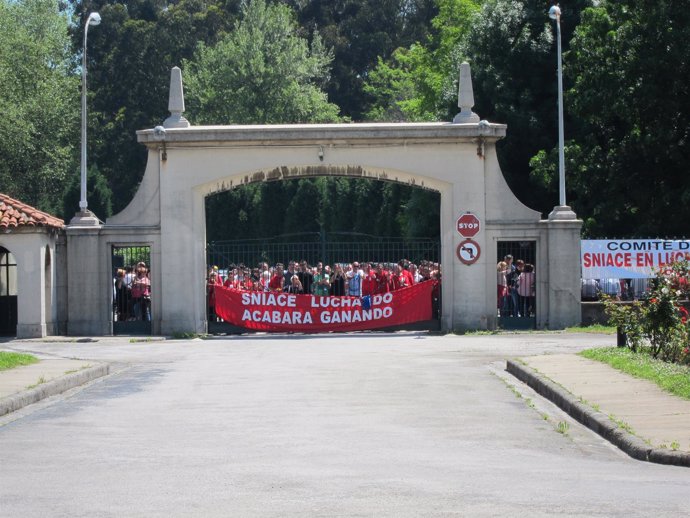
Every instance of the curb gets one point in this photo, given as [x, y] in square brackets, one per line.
[595, 420]
[51, 388]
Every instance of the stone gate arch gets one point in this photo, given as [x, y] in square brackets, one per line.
[187, 163]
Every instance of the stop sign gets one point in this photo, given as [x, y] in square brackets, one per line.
[468, 225]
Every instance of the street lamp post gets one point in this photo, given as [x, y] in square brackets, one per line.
[555, 14]
[93, 19]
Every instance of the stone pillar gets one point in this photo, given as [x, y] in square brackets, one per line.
[563, 251]
[89, 290]
[30, 256]
[60, 260]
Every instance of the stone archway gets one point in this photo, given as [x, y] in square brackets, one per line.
[458, 159]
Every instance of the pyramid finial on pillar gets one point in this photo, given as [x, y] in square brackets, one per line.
[176, 101]
[465, 96]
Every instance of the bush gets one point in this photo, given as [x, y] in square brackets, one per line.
[659, 322]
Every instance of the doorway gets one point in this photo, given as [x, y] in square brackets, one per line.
[132, 307]
[8, 293]
[516, 303]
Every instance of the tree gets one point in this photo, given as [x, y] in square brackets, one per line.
[628, 151]
[512, 50]
[263, 62]
[359, 32]
[414, 84]
[129, 60]
[98, 194]
[39, 102]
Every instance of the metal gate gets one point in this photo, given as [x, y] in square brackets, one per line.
[516, 311]
[334, 247]
[315, 247]
[131, 301]
[8, 293]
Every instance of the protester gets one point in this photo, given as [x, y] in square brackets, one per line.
[348, 279]
[141, 293]
[502, 287]
[322, 282]
[295, 286]
[277, 282]
[337, 288]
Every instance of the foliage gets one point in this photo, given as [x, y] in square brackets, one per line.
[98, 194]
[659, 323]
[594, 328]
[627, 104]
[39, 100]
[414, 84]
[130, 55]
[332, 204]
[512, 50]
[9, 360]
[627, 318]
[670, 377]
[630, 101]
[276, 73]
[359, 32]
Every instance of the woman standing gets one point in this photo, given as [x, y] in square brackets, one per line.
[338, 282]
[141, 294]
[526, 288]
[502, 287]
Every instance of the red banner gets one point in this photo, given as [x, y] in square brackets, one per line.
[276, 311]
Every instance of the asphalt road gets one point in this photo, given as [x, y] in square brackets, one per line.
[350, 425]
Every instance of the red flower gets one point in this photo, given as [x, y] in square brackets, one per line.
[683, 311]
[653, 300]
[686, 351]
[684, 320]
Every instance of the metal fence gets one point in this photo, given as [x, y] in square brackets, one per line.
[335, 247]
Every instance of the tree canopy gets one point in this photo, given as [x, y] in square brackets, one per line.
[262, 72]
[627, 102]
[628, 147]
[39, 102]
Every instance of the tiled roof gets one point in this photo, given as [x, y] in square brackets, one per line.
[14, 214]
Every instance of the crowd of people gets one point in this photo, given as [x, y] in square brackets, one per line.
[132, 293]
[516, 288]
[348, 279]
[618, 289]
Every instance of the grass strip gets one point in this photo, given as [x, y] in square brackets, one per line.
[10, 360]
[595, 328]
[671, 377]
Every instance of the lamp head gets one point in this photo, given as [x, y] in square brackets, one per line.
[555, 12]
[94, 19]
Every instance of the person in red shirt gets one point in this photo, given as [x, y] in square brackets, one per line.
[278, 279]
[232, 274]
[242, 280]
[397, 278]
[382, 280]
[369, 283]
[407, 274]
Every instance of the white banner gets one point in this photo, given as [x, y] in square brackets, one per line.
[629, 258]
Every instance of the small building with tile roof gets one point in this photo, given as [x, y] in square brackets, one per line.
[29, 240]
